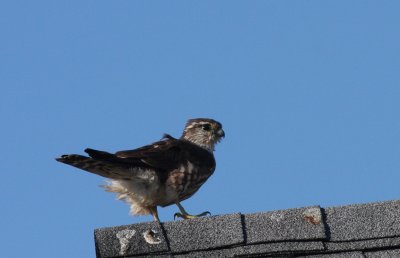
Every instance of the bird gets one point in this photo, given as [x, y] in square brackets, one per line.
[163, 173]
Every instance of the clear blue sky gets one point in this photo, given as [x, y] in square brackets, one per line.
[308, 93]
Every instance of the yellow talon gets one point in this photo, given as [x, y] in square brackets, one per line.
[184, 215]
[188, 216]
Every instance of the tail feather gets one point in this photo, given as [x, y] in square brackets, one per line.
[99, 167]
[100, 155]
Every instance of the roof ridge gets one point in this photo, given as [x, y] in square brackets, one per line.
[366, 228]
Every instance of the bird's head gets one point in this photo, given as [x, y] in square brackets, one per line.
[203, 132]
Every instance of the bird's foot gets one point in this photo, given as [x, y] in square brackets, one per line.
[188, 216]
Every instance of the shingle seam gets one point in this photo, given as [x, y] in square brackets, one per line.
[322, 240]
[165, 236]
[150, 254]
[281, 254]
[271, 253]
[242, 219]
[361, 240]
[324, 245]
[362, 250]
[227, 247]
[153, 254]
[329, 253]
[325, 223]
[379, 249]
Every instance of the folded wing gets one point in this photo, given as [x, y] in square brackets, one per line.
[166, 154]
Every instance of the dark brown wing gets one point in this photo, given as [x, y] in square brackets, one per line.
[165, 154]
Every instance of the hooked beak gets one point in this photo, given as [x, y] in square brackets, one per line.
[221, 133]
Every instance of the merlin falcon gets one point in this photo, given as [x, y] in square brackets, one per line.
[160, 174]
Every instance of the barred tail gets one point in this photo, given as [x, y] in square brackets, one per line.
[98, 167]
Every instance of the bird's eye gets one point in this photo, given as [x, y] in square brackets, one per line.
[206, 127]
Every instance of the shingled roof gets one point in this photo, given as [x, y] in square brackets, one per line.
[363, 230]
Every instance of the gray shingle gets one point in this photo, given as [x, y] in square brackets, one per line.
[283, 247]
[336, 255]
[142, 238]
[355, 231]
[365, 221]
[150, 256]
[394, 253]
[363, 244]
[260, 249]
[293, 224]
[229, 252]
[205, 233]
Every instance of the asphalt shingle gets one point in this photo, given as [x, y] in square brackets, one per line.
[150, 256]
[220, 253]
[283, 248]
[394, 253]
[259, 249]
[354, 231]
[363, 244]
[142, 238]
[337, 255]
[285, 225]
[209, 232]
[364, 221]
